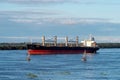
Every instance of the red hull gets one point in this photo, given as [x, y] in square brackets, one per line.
[44, 52]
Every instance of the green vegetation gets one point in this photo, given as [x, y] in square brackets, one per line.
[13, 46]
[109, 45]
[22, 46]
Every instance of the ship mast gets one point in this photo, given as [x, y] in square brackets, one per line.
[66, 41]
[43, 40]
[77, 39]
[55, 40]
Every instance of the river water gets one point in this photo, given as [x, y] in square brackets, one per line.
[105, 65]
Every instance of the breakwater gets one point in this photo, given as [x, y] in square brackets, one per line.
[22, 46]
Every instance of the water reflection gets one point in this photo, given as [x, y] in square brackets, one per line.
[28, 57]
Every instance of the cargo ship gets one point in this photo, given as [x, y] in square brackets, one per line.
[53, 46]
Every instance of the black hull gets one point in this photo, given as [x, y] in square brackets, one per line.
[38, 49]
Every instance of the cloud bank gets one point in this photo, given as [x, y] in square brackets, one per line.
[86, 2]
[37, 17]
[38, 1]
[111, 39]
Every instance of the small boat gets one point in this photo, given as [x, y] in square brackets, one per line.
[68, 47]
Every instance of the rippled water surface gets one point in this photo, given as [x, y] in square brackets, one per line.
[105, 65]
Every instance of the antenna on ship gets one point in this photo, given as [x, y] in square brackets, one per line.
[91, 38]
[30, 40]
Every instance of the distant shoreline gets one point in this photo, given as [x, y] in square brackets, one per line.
[22, 46]
[109, 45]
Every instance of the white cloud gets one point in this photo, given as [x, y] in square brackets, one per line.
[22, 20]
[81, 20]
[37, 1]
[86, 2]
[114, 21]
[66, 21]
[107, 38]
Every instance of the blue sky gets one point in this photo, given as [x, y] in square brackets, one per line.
[35, 18]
